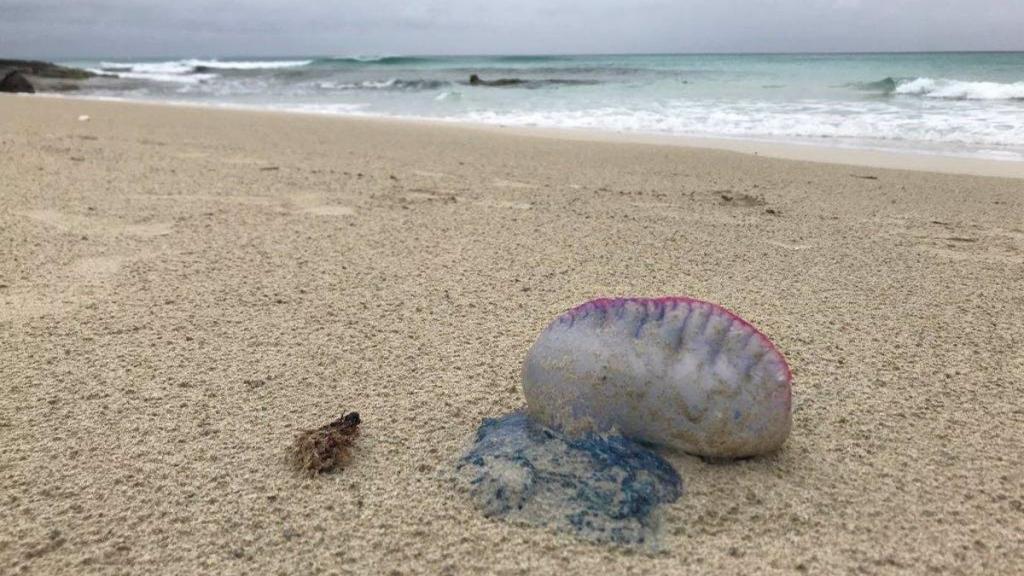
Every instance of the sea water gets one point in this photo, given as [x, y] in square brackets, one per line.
[948, 103]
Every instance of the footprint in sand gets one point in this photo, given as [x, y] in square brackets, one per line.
[312, 203]
[97, 268]
[248, 161]
[428, 196]
[16, 305]
[330, 210]
[149, 230]
[502, 183]
[253, 200]
[76, 224]
[76, 285]
[505, 204]
[788, 246]
[960, 241]
[429, 174]
[657, 205]
[60, 220]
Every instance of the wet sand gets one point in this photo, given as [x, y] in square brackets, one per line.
[182, 289]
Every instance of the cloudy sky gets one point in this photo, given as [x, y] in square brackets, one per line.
[125, 28]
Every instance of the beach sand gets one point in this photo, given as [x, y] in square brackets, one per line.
[182, 289]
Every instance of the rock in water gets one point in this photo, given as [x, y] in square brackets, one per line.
[16, 82]
[603, 488]
[670, 371]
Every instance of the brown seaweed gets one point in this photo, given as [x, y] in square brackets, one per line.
[326, 448]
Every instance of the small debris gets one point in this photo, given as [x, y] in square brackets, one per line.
[772, 211]
[325, 448]
[730, 198]
[864, 176]
[269, 168]
[83, 118]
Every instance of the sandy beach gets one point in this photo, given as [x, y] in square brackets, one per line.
[182, 289]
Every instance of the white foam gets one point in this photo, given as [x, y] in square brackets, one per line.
[183, 71]
[961, 90]
[250, 65]
[364, 58]
[453, 95]
[389, 83]
[161, 76]
[933, 124]
[169, 67]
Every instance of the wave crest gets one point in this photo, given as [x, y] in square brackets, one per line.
[960, 90]
[375, 60]
[886, 85]
[390, 84]
[190, 71]
[943, 88]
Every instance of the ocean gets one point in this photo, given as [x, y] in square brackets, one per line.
[964, 104]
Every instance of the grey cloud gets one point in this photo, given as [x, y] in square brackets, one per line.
[55, 29]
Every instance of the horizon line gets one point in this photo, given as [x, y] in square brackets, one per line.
[526, 54]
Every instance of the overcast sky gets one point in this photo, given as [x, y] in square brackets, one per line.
[126, 28]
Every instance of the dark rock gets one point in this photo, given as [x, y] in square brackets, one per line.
[45, 69]
[475, 80]
[45, 76]
[14, 81]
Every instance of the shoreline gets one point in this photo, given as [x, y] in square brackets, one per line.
[913, 160]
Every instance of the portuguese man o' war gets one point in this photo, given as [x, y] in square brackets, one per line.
[603, 488]
[674, 372]
[605, 383]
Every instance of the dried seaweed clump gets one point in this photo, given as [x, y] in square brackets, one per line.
[327, 447]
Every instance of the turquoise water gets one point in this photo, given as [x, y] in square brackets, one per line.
[949, 103]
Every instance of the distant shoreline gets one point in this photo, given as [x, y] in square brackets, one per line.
[809, 152]
[951, 104]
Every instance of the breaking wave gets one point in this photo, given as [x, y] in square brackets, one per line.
[390, 84]
[375, 60]
[884, 86]
[189, 71]
[960, 90]
[944, 89]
